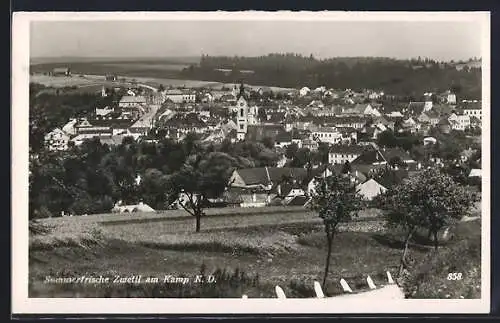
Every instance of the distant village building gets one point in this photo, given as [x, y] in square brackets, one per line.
[451, 98]
[57, 140]
[129, 101]
[370, 189]
[362, 109]
[428, 102]
[304, 91]
[459, 122]
[69, 127]
[61, 71]
[104, 111]
[141, 207]
[473, 109]
[111, 77]
[327, 134]
[180, 96]
[340, 154]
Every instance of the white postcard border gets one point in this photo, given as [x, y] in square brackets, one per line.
[21, 304]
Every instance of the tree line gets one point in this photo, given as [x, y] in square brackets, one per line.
[397, 77]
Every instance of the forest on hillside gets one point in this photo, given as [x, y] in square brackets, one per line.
[397, 77]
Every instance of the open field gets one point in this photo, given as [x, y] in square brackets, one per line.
[154, 68]
[83, 83]
[151, 72]
[286, 248]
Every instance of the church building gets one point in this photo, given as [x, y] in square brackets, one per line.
[245, 115]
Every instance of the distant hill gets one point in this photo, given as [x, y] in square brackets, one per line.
[410, 77]
[76, 59]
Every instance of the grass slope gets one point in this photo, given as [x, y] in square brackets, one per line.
[289, 254]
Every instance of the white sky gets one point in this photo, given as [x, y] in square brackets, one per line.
[442, 40]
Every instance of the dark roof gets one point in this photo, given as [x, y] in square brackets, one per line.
[471, 105]
[381, 120]
[88, 131]
[298, 201]
[346, 129]
[368, 157]
[475, 119]
[113, 123]
[262, 175]
[348, 149]
[185, 120]
[227, 97]
[283, 137]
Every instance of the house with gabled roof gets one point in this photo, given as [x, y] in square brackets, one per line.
[339, 154]
[431, 117]
[472, 108]
[362, 109]
[130, 101]
[57, 139]
[283, 140]
[370, 189]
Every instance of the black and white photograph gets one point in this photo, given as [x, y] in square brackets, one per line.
[273, 162]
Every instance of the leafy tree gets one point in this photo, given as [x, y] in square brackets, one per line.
[346, 168]
[336, 201]
[291, 150]
[268, 142]
[302, 158]
[202, 177]
[396, 161]
[387, 139]
[322, 152]
[432, 200]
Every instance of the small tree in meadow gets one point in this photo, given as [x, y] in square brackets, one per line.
[203, 176]
[336, 201]
[431, 200]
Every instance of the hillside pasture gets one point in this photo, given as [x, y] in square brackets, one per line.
[87, 84]
[279, 245]
[121, 68]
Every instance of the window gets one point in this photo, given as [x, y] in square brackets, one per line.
[242, 126]
[241, 112]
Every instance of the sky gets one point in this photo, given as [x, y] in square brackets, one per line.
[441, 40]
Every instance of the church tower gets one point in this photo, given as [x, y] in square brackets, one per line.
[242, 117]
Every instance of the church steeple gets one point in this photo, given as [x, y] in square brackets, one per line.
[242, 91]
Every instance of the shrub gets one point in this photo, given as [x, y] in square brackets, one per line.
[429, 279]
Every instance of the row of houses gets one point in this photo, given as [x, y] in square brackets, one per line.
[76, 131]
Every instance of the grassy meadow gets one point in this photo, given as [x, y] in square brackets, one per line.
[249, 253]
